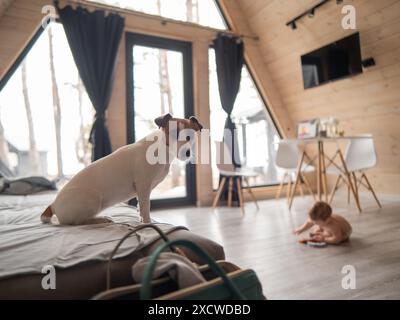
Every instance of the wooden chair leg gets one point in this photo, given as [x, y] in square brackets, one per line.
[348, 194]
[298, 174]
[334, 188]
[348, 187]
[301, 188]
[289, 187]
[370, 188]
[293, 191]
[319, 172]
[251, 193]
[348, 177]
[230, 191]
[218, 195]
[278, 193]
[353, 174]
[240, 193]
[324, 178]
[308, 185]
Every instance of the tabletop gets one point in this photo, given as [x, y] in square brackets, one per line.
[325, 139]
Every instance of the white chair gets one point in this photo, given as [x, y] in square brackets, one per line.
[360, 155]
[287, 159]
[231, 174]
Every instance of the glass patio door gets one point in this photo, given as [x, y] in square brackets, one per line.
[159, 81]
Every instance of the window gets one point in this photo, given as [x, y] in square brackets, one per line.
[160, 81]
[203, 12]
[257, 134]
[41, 134]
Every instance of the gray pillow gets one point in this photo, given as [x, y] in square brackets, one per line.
[25, 186]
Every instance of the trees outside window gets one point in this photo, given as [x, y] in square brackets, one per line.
[45, 112]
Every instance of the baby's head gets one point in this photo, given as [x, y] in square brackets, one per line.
[320, 213]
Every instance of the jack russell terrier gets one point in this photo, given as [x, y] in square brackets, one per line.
[120, 176]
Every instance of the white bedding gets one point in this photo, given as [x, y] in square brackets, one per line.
[27, 245]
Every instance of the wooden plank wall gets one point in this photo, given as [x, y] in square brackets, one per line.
[367, 103]
[4, 4]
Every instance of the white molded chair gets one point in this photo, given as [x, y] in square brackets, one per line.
[228, 172]
[287, 159]
[360, 155]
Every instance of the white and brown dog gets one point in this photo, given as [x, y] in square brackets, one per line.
[120, 176]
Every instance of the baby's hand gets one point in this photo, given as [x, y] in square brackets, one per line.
[318, 238]
[296, 232]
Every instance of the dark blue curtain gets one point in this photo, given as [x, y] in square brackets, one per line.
[94, 38]
[229, 59]
[229, 56]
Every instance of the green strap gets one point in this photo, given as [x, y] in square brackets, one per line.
[145, 291]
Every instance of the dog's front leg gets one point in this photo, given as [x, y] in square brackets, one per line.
[144, 205]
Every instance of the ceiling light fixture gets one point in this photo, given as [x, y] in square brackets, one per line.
[310, 13]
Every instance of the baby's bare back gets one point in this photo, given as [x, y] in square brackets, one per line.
[338, 227]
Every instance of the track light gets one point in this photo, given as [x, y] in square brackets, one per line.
[310, 13]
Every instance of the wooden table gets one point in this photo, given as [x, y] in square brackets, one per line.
[323, 161]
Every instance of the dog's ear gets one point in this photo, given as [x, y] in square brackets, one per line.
[198, 126]
[162, 121]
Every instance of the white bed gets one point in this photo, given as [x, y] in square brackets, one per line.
[77, 252]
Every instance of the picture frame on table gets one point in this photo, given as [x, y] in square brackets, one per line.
[307, 129]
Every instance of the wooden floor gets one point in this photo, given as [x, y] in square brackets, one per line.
[264, 241]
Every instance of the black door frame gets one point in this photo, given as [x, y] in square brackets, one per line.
[132, 39]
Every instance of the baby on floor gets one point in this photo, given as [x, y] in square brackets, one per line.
[329, 228]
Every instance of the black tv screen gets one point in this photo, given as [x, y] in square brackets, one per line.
[337, 60]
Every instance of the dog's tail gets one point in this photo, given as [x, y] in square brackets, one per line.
[46, 215]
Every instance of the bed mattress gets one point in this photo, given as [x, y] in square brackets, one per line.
[78, 253]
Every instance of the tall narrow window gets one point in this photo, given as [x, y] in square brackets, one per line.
[159, 82]
[45, 112]
[257, 134]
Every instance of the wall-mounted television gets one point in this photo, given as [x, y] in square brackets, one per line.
[334, 61]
